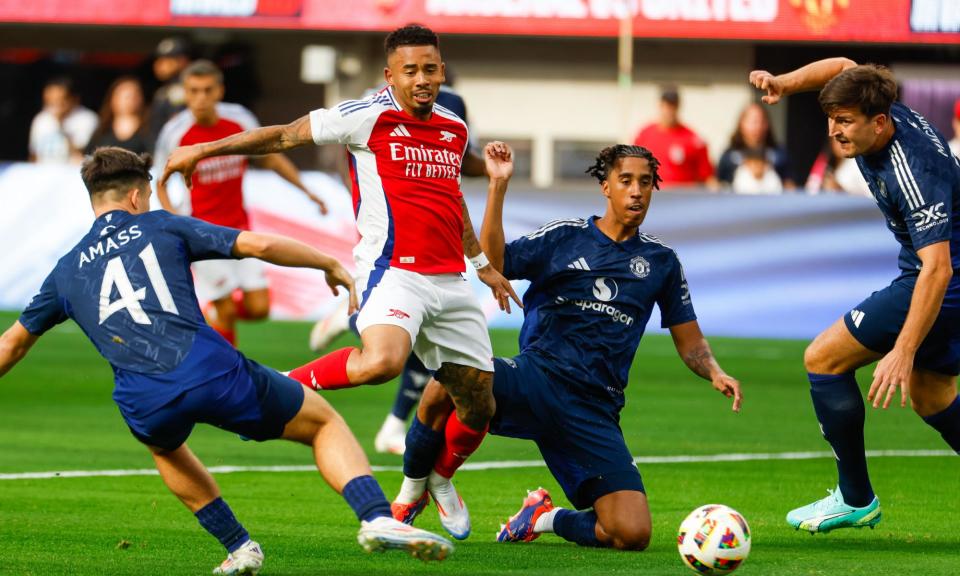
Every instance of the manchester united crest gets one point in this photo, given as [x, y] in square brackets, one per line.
[640, 267]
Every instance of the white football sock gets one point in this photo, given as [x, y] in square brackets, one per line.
[411, 489]
[544, 523]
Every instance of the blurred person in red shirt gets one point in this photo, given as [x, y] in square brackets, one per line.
[237, 289]
[682, 154]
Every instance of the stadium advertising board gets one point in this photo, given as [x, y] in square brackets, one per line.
[891, 21]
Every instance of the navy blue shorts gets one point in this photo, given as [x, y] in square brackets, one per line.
[251, 400]
[580, 440]
[876, 322]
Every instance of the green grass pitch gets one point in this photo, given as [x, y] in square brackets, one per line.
[56, 414]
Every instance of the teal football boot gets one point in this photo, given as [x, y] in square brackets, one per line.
[832, 512]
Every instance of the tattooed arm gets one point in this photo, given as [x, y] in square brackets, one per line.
[266, 140]
[696, 354]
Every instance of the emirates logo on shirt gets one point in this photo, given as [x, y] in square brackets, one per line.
[220, 169]
[424, 162]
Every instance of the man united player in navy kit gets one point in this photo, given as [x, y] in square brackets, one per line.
[128, 285]
[593, 285]
[913, 325]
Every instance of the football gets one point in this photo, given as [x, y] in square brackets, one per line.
[714, 539]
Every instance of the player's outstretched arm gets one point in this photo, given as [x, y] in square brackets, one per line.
[499, 166]
[288, 252]
[486, 272]
[14, 345]
[696, 354]
[288, 171]
[265, 140]
[813, 76]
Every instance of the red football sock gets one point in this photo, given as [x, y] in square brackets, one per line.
[326, 372]
[228, 335]
[461, 442]
[241, 309]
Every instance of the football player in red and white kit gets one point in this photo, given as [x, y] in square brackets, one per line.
[237, 289]
[405, 159]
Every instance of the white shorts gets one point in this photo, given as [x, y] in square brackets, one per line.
[439, 311]
[216, 279]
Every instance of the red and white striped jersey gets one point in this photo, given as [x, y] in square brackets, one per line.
[406, 182]
[217, 189]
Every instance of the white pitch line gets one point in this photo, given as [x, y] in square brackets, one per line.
[497, 465]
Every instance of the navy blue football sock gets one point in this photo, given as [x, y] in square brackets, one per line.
[577, 527]
[423, 445]
[947, 423]
[365, 496]
[217, 519]
[839, 407]
[412, 382]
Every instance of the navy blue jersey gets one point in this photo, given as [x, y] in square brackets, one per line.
[128, 285]
[452, 101]
[916, 182]
[590, 298]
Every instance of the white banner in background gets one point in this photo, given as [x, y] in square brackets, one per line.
[784, 266]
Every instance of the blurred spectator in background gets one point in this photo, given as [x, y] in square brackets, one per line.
[955, 143]
[831, 172]
[123, 118]
[753, 132]
[756, 174]
[61, 131]
[682, 154]
[171, 56]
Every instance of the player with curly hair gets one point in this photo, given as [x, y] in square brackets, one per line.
[593, 284]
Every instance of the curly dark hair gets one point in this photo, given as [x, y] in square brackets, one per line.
[611, 155]
[112, 168]
[410, 35]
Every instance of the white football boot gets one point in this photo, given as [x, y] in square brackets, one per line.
[246, 560]
[386, 533]
[454, 516]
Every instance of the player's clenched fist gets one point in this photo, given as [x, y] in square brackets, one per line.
[498, 158]
[183, 160]
[763, 80]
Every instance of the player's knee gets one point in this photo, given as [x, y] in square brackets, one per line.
[223, 313]
[634, 537]
[927, 402]
[817, 359]
[258, 310]
[379, 368]
[478, 413]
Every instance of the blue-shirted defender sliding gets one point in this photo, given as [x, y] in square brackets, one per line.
[593, 285]
[128, 285]
[913, 325]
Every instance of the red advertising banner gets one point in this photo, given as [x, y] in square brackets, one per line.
[882, 21]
